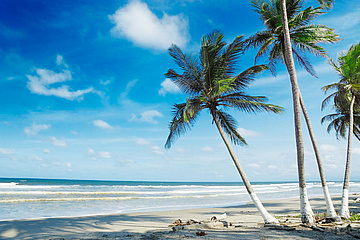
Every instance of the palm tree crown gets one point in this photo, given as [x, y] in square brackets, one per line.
[339, 121]
[304, 36]
[348, 69]
[211, 84]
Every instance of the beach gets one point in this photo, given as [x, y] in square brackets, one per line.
[245, 220]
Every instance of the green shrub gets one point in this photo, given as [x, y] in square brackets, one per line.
[355, 217]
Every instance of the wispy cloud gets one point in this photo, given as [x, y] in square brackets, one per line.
[344, 22]
[105, 155]
[6, 151]
[102, 124]
[136, 23]
[147, 116]
[40, 83]
[327, 148]
[35, 128]
[157, 150]
[58, 143]
[96, 155]
[129, 86]
[60, 61]
[142, 141]
[254, 165]
[207, 149]
[167, 86]
[247, 133]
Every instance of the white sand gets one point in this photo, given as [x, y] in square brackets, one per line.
[154, 225]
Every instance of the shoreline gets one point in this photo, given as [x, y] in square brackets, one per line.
[121, 226]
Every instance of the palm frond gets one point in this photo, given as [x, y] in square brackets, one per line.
[229, 124]
[249, 104]
[242, 80]
[184, 116]
[190, 80]
[231, 54]
[302, 60]
[326, 4]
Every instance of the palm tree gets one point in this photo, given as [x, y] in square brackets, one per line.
[210, 83]
[274, 43]
[348, 68]
[339, 121]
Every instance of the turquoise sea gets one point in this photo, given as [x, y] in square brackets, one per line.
[43, 198]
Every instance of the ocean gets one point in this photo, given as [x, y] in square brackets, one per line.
[47, 198]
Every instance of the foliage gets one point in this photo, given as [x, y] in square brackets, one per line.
[348, 68]
[305, 37]
[210, 82]
[355, 217]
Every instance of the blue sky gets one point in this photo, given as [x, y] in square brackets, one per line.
[84, 95]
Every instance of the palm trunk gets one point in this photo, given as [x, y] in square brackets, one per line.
[264, 213]
[344, 212]
[307, 215]
[329, 205]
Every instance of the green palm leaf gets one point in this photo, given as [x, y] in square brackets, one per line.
[305, 37]
[211, 83]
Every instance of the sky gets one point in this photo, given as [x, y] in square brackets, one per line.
[84, 96]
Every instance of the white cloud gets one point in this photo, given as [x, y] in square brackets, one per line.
[105, 155]
[40, 83]
[102, 124]
[207, 149]
[181, 150]
[35, 128]
[344, 21]
[157, 150]
[247, 133]
[91, 151]
[147, 116]
[168, 86]
[38, 158]
[136, 23]
[327, 148]
[105, 83]
[254, 165]
[57, 142]
[141, 141]
[45, 150]
[129, 86]
[6, 151]
[95, 155]
[60, 61]
[68, 165]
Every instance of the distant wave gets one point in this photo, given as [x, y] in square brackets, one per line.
[8, 185]
[110, 198]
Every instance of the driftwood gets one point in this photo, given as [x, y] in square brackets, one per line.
[216, 221]
[280, 227]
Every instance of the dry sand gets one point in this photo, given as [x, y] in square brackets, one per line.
[246, 224]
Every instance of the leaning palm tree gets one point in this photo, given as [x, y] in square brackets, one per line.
[211, 84]
[305, 38]
[348, 68]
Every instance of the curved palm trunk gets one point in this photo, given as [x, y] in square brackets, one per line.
[329, 205]
[344, 212]
[307, 215]
[266, 216]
